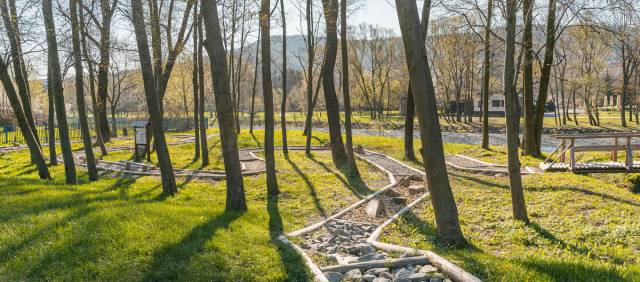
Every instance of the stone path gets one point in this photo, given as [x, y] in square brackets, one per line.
[469, 164]
[342, 247]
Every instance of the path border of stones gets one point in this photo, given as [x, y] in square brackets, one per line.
[450, 269]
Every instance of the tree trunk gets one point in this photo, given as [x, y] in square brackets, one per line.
[529, 142]
[283, 106]
[103, 69]
[53, 156]
[545, 76]
[92, 90]
[486, 76]
[511, 112]
[224, 107]
[162, 150]
[56, 87]
[21, 78]
[267, 92]
[328, 84]
[255, 83]
[203, 125]
[409, 152]
[310, 59]
[444, 205]
[194, 81]
[82, 111]
[34, 149]
[351, 159]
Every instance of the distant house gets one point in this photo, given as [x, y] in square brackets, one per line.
[496, 105]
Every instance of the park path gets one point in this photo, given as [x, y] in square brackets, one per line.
[346, 243]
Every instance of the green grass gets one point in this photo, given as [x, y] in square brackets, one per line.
[125, 229]
[583, 228]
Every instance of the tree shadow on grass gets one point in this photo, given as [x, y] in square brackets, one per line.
[253, 136]
[573, 271]
[292, 261]
[586, 192]
[310, 186]
[354, 183]
[169, 262]
[479, 180]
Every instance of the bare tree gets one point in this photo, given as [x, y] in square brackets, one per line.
[515, 179]
[214, 44]
[351, 160]
[153, 102]
[55, 77]
[283, 106]
[445, 210]
[267, 92]
[79, 85]
[328, 84]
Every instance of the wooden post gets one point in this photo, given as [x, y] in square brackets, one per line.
[572, 155]
[563, 158]
[615, 150]
[629, 156]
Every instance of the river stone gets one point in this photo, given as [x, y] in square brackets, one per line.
[365, 249]
[353, 275]
[417, 189]
[377, 271]
[428, 269]
[386, 275]
[368, 277]
[403, 275]
[381, 280]
[333, 276]
[417, 277]
[375, 208]
[399, 200]
[370, 257]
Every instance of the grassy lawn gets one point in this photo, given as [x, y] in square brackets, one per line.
[120, 228]
[583, 228]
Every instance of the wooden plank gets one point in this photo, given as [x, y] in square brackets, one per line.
[563, 157]
[605, 148]
[572, 155]
[597, 135]
[629, 156]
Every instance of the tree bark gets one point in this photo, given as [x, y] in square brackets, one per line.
[545, 76]
[515, 178]
[194, 81]
[255, 83]
[444, 205]
[310, 59]
[92, 88]
[351, 159]
[9, 18]
[56, 87]
[529, 142]
[53, 156]
[409, 152]
[267, 92]
[34, 149]
[486, 76]
[202, 120]
[103, 68]
[153, 103]
[224, 106]
[79, 77]
[338, 153]
[283, 105]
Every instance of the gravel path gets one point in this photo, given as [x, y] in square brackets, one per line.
[396, 168]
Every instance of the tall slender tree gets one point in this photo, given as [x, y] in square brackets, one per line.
[79, 77]
[283, 105]
[53, 62]
[486, 76]
[529, 142]
[338, 152]
[351, 159]
[444, 205]
[515, 179]
[34, 149]
[196, 88]
[51, 119]
[267, 93]
[153, 103]
[200, 112]
[214, 44]
[252, 115]
[409, 152]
